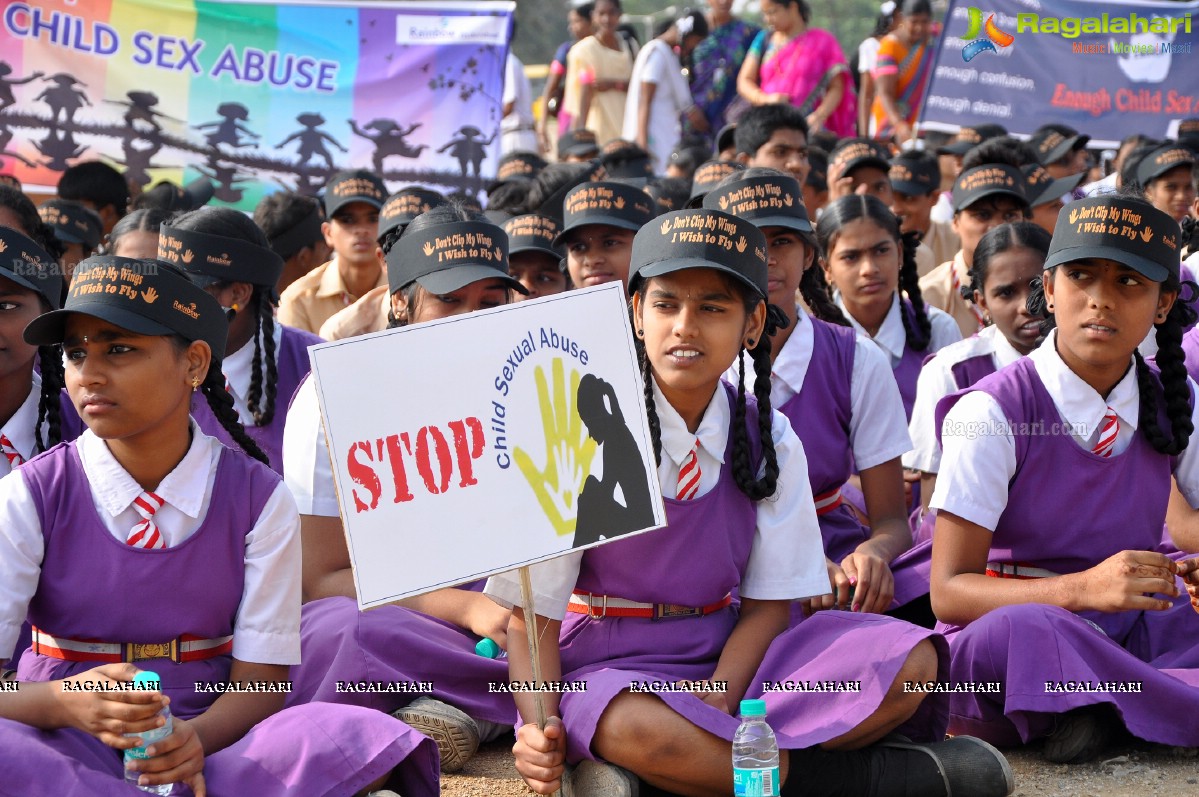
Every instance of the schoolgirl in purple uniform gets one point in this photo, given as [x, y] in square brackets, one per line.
[1008, 261]
[432, 637]
[264, 361]
[1051, 496]
[146, 541]
[743, 519]
[835, 387]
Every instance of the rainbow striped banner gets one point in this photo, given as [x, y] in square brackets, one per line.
[256, 96]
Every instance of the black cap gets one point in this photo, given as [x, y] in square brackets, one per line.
[1135, 234]
[354, 186]
[532, 233]
[988, 180]
[1188, 133]
[142, 296]
[707, 176]
[1052, 145]
[405, 205]
[914, 176]
[669, 193]
[767, 201]
[615, 204]
[27, 264]
[208, 258]
[700, 238]
[72, 222]
[855, 153]
[624, 159]
[1161, 160]
[970, 137]
[445, 257]
[578, 144]
[517, 167]
[173, 198]
[1041, 187]
[724, 139]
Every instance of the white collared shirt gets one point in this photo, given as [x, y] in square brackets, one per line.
[238, 368]
[877, 424]
[936, 382]
[977, 467]
[892, 338]
[307, 469]
[787, 558]
[20, 427]
[267, 627]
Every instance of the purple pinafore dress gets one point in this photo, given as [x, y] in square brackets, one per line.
[695, 561]
[94, 587]
[1118, 505]
[395, 644]
[820, 415]
[293, 364]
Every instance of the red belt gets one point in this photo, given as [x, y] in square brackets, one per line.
[827, 502]
[1020, 570]
[600, 606]
[180, 649]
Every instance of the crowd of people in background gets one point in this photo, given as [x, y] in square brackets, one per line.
[924, 437]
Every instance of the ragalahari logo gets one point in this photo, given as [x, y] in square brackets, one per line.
[993, 40]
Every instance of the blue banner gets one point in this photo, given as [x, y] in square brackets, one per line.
[1108, 69]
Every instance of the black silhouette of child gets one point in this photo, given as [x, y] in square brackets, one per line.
[388, 140]
[63, 98]
[601, 515]
[312, 141]
[6, 95]
[468, 149]
[229, 130]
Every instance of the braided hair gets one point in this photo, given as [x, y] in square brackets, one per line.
[916, 325]
[49, 410]
[742, 467]
[221, 404]
[819, 298]
[231, 224]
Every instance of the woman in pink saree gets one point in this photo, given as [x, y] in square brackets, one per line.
[803, 66]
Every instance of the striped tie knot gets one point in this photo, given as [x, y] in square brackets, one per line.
[689, 474]
[146, 534]
[1109, 428]
[10, 452]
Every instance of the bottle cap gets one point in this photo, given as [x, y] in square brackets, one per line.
[147, 680]
[753, 708]
[487, 648]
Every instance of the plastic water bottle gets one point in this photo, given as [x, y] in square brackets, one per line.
[149, 681]
[755, 754]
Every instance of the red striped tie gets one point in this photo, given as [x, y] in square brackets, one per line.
[1108, 429]
[689, 476]
[146, 534]
[10, 452]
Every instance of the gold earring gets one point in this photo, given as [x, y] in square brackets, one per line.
[235, 307]
[195, 383]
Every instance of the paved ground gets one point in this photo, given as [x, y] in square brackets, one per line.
[1124, 771]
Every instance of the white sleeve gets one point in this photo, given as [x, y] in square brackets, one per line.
[978, 462]
[934, 383]
[1187, 472]
[307, 470]
[267, 629]
[21, 551]
[654, 68]
[945, 329]
[877, 422]
[553, 581]
[509, 94]
[787, 558]
[867, 54]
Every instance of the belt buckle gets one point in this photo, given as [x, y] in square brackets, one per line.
[666, 610]
[143, 651]
[591, 607]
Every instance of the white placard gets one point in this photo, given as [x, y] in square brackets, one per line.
[480, 443]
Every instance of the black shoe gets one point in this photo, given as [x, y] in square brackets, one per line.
[1080, 736]
[959, 767]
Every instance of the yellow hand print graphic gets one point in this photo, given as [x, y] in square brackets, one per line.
[569, 451]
